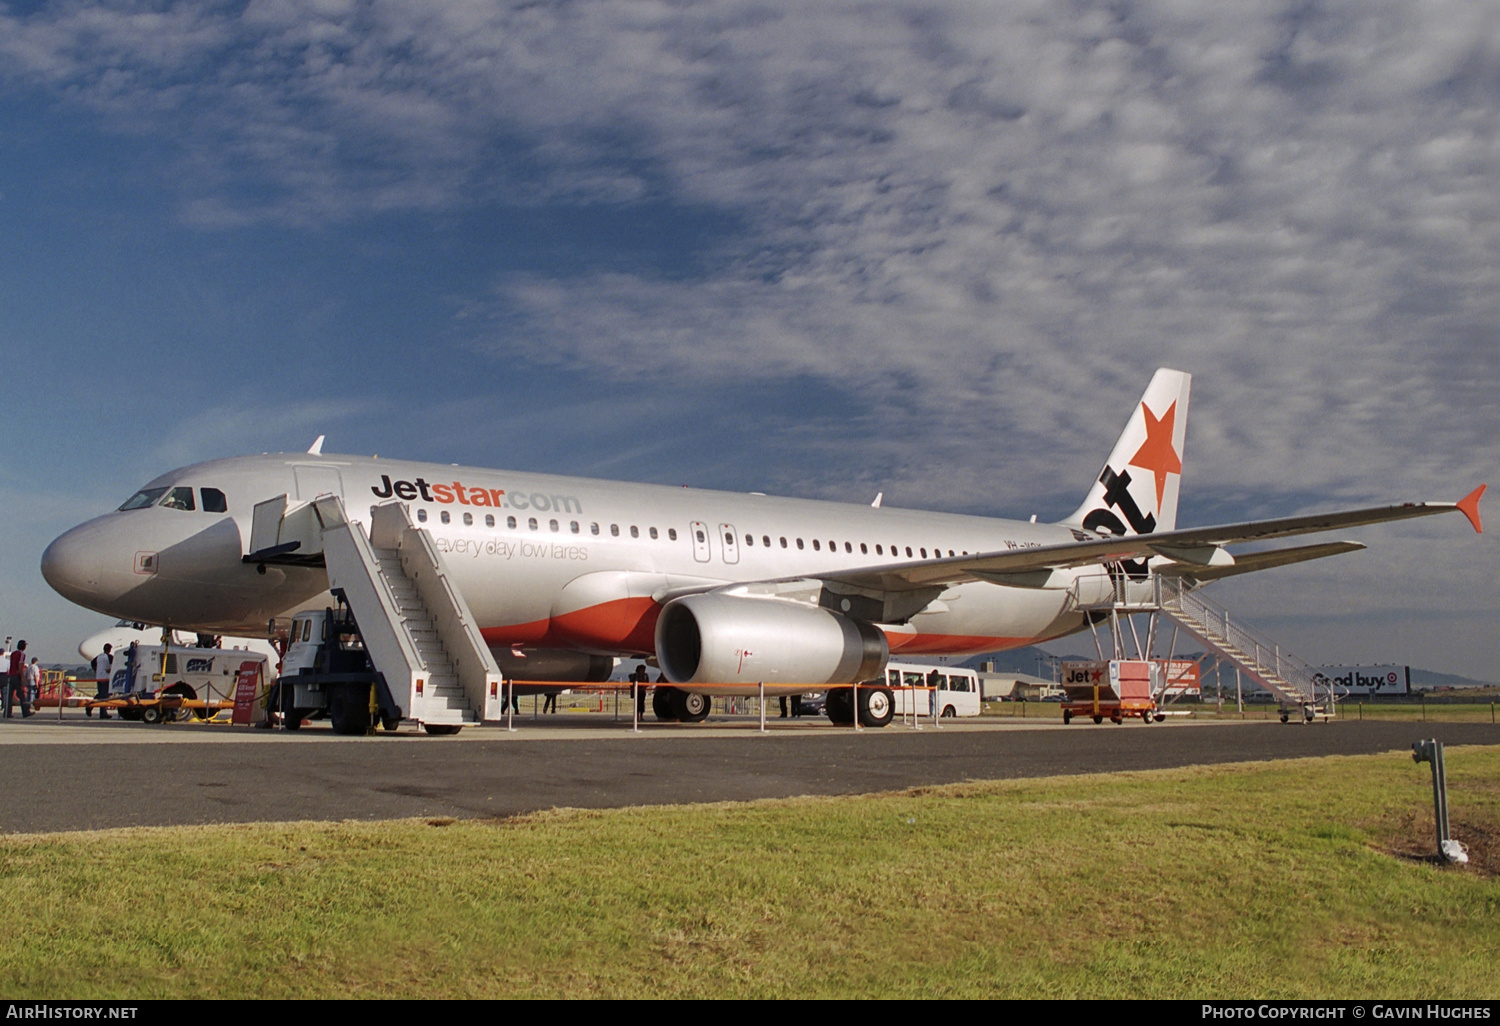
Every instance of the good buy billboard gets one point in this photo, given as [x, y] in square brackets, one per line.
[1366, 680]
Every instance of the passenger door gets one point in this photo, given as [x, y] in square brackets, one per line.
[701, 551]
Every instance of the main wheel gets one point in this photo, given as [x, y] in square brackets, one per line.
[184, 690]
[839, 706]
[691, 707]
[663, 703]
[1098, 719]
[349, 708]
[1067, 717]
[875, 707]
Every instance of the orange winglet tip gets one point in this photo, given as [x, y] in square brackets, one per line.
[1469, 507]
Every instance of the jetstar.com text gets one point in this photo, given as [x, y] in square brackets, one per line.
[474, 495]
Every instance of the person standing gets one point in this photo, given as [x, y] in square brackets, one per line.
[103, 664]
[33, 686]
[13, 684]
[640, 678]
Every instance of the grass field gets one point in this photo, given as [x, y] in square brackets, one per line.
[1292, 879]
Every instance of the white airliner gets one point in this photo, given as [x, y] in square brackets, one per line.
[563, 573]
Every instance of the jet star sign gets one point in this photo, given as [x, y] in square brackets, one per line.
[1156, 454]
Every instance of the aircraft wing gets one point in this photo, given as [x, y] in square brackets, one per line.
[1199, 548]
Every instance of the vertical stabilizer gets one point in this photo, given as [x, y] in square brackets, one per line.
[1136, 492]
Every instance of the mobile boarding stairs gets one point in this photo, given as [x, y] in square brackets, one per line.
[416, 626]
[1296, 687]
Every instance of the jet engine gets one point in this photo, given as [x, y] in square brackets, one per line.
[730, 639]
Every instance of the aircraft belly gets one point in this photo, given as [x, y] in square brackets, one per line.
[986, 618]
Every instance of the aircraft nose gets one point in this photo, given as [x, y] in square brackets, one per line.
[73, 565]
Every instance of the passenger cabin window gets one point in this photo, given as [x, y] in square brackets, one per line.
[799, 543]
[816, 547]
[489, 520]
[531, 523]
[671, 534]
[213, 500]
[593, 529]
[421, 516]
[553, 525]
[635, 532]
[765, 540]
[653, 534]
[443, 516]
[614, 530]
[879, 551]
[864, 550]
[573, 527]
[468, 519]
[179, 498]
[750, 541]
[510, 522]
[783, 543]
[143, 498]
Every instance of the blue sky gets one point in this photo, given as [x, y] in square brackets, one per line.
[932, 249]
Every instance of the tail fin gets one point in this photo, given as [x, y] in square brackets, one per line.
[1136, 493]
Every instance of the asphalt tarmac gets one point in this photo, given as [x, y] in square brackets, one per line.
[81, 774]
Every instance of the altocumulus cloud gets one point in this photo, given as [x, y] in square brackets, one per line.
[945, 207]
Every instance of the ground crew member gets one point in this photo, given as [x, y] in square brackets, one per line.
[102, 664]
[14, 681]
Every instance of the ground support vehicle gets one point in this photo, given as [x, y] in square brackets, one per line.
[1115, 688]
[931, 690]
[326, 671]
[156, 684]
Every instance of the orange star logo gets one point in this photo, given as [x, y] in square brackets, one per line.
[1157, 454]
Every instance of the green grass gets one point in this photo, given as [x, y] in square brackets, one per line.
[1292, 879]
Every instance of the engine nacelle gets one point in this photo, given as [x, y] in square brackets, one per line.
[728, 639]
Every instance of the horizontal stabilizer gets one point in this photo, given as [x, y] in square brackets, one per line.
[1258, 561]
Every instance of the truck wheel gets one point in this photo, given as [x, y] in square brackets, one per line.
[875, 707]
[1067, 717]
[151, 714]
[691, 707]
[1098, 719]
[440, 729]
[390, 723]
[349, 708]
[184, 690]
[949, 712]
[663, 703]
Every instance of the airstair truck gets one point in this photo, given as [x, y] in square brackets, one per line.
[326, 671]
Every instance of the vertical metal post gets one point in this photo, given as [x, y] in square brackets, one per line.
[510, 706]
[762, 707]
[855, 693]
[1239, 693]
[635, 707]
[1432, 752]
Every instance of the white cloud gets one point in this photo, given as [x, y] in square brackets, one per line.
[995, 219]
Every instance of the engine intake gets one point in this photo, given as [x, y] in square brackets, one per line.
[729, 639]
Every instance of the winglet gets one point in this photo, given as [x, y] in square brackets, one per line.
[1469, 507]
[316, 449]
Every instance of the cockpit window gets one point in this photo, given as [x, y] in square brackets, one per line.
[213, 501]
[143, 498]
[179, 498]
